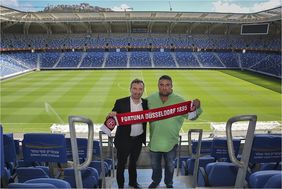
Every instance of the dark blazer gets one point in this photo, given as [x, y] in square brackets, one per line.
[123, 133]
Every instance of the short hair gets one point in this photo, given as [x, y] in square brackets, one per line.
[165, 77]
[138, 81]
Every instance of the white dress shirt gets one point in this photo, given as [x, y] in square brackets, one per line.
[136, 129]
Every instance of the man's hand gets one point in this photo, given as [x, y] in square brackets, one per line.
[197, 103]
[112, 114]
[195, 110]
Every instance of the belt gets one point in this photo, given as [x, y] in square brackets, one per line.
[134, 137]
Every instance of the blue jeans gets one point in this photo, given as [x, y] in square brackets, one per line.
[156, 164]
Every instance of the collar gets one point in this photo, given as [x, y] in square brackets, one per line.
[132, 102]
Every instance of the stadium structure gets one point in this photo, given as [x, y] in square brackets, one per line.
[33, 42]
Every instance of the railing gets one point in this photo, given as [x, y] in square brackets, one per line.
[76, 165]
[243, 163]
[197, 155]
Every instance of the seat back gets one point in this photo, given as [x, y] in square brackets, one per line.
[44, 147]
[82, 152]
[206, 147]
[28, 173]
[58, 183]
[275, 181]
[266, 148]
[260, 179]
[97, 165]
[9, 148]
[30, 185]
[1, 153]
[89, 177]
[221, 174]
[81, 145]
[82, 148]
[4, 172]
[220, 150]
[96, 148]
[203, 161]
[17, 146]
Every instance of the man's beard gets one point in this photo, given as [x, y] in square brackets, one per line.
[167, 94]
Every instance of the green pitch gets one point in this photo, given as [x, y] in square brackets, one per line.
[31, 103]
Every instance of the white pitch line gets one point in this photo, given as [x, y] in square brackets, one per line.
[48, 107]
[123, 88]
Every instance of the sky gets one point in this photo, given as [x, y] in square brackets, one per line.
[225, 6]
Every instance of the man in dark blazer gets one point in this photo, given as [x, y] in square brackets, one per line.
[129, 138]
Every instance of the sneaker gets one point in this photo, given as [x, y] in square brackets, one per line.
[169, 186]
[153, 185]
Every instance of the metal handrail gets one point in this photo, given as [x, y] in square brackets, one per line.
[197, 155]
[76, 165]
[112, 152]
[243, 163]
[102, 159]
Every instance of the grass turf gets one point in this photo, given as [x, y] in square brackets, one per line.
[32, 102]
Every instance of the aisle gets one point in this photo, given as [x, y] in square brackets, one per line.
[144, 179]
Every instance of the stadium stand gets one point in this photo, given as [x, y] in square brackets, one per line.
[222, 55]
[163, 59]
[93, 59]
[49, 59]
[117, 59]
[187, 59]
[140, 59]
[180, 51]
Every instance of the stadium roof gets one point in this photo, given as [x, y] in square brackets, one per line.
[8, 14]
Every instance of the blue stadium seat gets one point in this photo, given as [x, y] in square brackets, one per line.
[27, 173]
[221, 174]
[82, 152]
[203, 161]
[220, 150]
[266, 179]
[274, 182]
[41, 183]
[10, 156]
[43, 147]
[9, 148]
[89, 177]
[1, 153]
[58, 183]
[31, 185]
[187, 163]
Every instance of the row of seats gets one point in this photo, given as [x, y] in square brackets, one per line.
[41, 151]
[211, 151]
[260, 62]
[191, 41]
[216, 170]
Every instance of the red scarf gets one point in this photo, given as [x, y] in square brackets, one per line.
[155, 114]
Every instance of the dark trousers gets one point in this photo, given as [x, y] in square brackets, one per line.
[132, 150]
